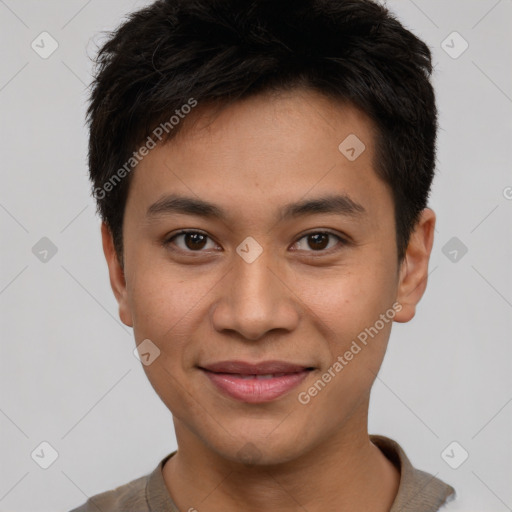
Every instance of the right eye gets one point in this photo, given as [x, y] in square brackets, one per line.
[191, 241]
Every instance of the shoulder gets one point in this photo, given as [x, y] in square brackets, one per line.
[418, 491]
[144, 494]
[127, 497]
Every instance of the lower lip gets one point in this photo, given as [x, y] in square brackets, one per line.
[255, 390]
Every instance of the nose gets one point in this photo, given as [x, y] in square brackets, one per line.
[255, 299]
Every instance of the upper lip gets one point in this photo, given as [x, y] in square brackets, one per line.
[244, 368]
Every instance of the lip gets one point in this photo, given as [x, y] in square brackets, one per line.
[245, 382]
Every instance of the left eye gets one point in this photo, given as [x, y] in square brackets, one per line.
[319, 241]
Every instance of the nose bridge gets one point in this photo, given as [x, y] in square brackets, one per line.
[253, 282]
[254, 301]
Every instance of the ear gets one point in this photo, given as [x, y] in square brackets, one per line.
[116, 273]
[414, 267]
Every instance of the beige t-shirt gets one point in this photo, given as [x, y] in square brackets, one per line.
[418, 491]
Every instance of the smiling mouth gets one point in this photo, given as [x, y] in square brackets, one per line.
[258, 383]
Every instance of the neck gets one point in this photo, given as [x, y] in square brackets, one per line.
[345, 472]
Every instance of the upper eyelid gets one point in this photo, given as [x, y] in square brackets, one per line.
[169, 239]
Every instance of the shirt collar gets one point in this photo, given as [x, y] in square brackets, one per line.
[418, 491]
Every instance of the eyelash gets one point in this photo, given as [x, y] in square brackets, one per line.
[341, 241]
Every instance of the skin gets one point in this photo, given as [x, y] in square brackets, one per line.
[201, 304]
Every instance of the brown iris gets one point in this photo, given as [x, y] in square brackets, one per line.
[318, 241]
[195, 241]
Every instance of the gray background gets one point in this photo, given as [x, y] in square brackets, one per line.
[68, 374]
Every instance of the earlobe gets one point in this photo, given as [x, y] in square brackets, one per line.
[414, 268]
[116, 274]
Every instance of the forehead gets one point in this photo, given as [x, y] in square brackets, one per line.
[262, 152]
[286, 122]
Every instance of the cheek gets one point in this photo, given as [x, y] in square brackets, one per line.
[171, 309]
[165, 310]
[162, 297]
[348, 308]
[348, 312]
[347, 302]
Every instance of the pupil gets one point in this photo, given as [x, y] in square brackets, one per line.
[195, 239]
[317, 243]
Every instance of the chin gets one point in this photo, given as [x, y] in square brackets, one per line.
[261, 450]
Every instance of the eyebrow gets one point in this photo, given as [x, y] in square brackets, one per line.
[333, 204]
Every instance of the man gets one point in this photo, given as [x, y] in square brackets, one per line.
[262, 170]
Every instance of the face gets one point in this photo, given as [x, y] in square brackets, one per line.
[290, 256]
